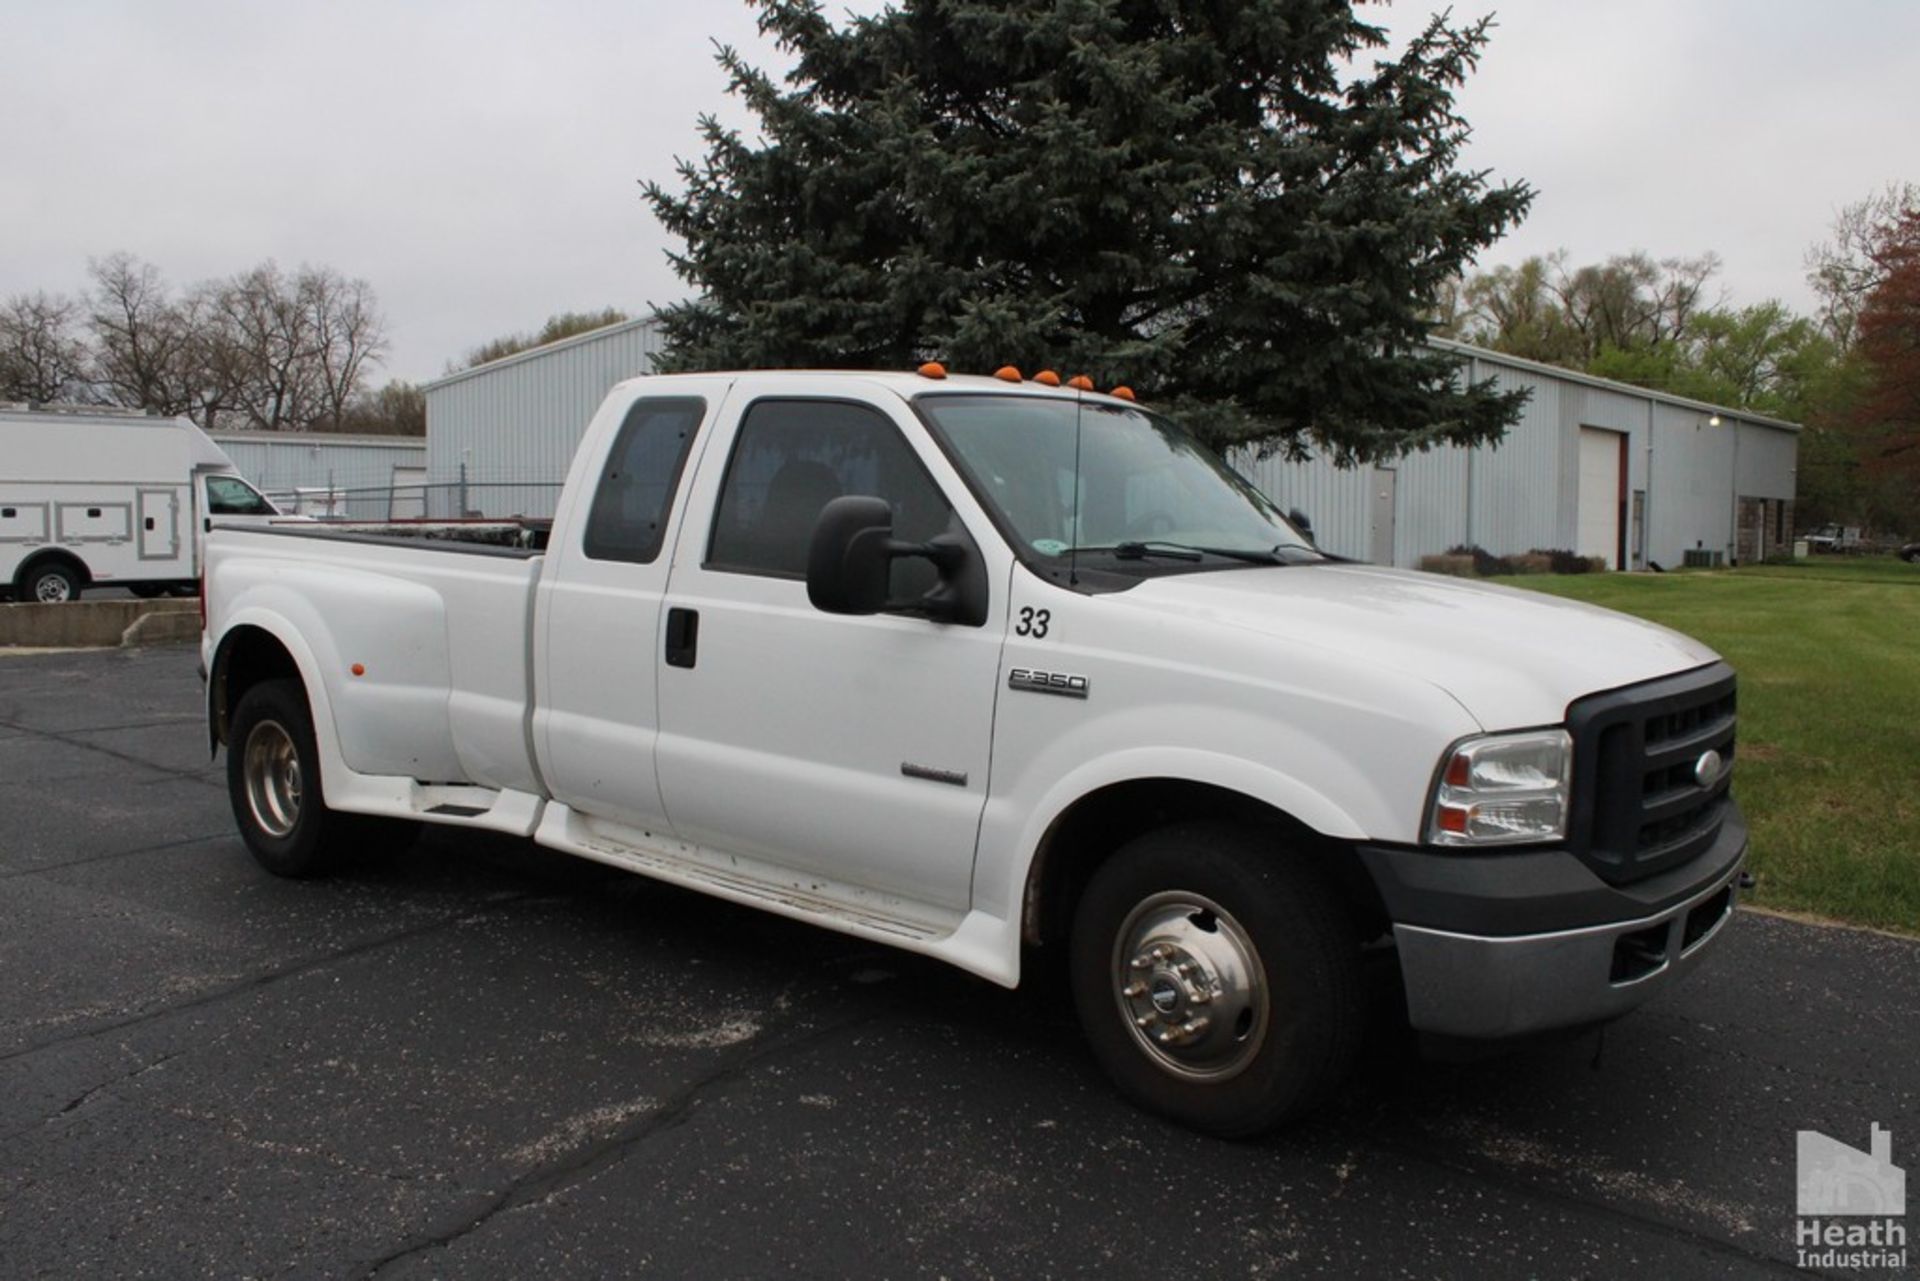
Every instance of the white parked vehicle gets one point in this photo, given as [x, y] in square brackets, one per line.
[971, 667]
[98, 497]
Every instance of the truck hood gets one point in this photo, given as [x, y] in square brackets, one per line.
[1512, 658]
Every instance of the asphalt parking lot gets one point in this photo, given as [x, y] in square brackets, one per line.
[485, 1060]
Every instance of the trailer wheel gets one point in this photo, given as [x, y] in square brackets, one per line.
[51, 582]
[1217, 978]
[273, 784]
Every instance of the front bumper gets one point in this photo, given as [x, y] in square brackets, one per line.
[1479, 983]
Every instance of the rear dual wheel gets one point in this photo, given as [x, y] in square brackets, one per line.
[1217, 978]
[273, 784]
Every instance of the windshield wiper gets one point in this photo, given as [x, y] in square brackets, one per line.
[1140, 549]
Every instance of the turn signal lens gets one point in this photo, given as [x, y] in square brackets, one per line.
[933, 369]
[1007, 374]
[1503, 789]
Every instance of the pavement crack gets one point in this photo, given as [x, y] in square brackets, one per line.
[588, 1162]
[125, 758]
[254, 983]
[1575, 1201]
[106, 858]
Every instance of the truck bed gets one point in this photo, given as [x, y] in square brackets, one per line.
[419, 642]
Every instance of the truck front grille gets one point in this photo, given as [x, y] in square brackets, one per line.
[1639, 803]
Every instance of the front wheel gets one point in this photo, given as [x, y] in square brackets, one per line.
[1217, 977]
[50, 584]
[273, 784]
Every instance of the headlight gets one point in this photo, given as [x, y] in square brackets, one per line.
[1503, 789]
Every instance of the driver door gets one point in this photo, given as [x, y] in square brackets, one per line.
[853, 747]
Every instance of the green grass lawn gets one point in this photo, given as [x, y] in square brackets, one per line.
[1828, 769]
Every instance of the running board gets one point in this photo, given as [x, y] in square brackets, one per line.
[453, 804]
[846, 908]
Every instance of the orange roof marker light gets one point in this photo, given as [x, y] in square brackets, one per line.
[1122, 393]
[1007, 374]
[932, 369]
[1047, 378]
[1080, 382]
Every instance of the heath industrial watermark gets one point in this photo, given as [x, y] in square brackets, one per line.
[1852, 1204]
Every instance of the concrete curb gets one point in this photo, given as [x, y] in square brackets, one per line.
[99, 624]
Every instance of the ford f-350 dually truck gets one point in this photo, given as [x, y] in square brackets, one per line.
[977, 666]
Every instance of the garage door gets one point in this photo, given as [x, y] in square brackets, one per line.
[1602, 491]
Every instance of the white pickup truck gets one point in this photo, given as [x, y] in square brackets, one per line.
[973, 666]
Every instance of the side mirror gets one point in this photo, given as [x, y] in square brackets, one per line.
[850, 563]
[851, 556]
[1301, 523]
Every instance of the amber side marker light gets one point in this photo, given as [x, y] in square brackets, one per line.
[1080, 382]
[1047, 378]
[932, 369]
[1007, 374]
[1122, 393]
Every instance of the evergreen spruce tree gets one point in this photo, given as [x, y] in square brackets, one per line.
[1235, 206]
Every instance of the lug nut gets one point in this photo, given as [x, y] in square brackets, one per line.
[1134, 990]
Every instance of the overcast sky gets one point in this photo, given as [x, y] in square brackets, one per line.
[478, 162]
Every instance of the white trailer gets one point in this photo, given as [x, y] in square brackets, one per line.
[97, 497]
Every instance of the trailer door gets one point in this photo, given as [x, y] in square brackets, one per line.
[159, 524]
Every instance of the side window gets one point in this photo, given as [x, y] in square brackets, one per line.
[629, 514]
[793, 457]
[230, 496]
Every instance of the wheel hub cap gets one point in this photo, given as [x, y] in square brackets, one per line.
[272, 770]
[1190, 986]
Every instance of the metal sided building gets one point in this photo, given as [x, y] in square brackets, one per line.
[501, 436]
[1632, 476]
[1602, 468]
[323, 474]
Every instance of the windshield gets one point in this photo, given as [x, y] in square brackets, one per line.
[1145, 485]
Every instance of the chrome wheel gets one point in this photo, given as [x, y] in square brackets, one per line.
[52, 589]
[272, 769]
[1190, 986]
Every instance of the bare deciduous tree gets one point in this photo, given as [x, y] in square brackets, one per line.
[142, 345]
[1843, 270]
[42, 356]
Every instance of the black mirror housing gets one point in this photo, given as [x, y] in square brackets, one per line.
[849, 560]
[850, 563]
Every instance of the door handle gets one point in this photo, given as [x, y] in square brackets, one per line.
[683, 637]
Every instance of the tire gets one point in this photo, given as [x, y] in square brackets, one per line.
[273, 784]
[1267, 1017]
[51, 582]
[148, 591]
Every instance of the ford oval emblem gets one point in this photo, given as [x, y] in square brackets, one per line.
[1707, 770]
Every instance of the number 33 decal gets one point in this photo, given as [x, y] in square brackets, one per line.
[1033, 622]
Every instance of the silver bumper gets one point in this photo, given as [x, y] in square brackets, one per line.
[1481, 987]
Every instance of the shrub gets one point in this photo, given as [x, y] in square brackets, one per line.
[1561, 561]
[1470, 561]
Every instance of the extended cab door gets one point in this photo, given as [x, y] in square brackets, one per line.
[597, 619]
[852, 747]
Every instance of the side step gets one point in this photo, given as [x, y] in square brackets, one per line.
[838, 906]
[455, 804]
